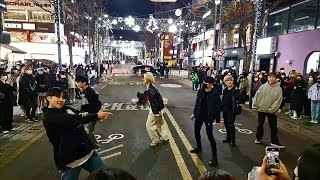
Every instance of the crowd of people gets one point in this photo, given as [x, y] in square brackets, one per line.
[26, 84]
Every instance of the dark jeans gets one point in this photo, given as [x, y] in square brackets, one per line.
[195, 87]
[94, 163]
[31, 108]
[6, 118]
[229, 119]
[91, 126]
[272, 119]
[307, 107]
[197, 129]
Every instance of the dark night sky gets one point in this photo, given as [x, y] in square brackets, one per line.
[136, 8]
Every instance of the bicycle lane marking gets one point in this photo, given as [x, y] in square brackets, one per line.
[199, 164]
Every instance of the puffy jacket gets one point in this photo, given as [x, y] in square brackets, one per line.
[155, 99]
[214, 104]
[314, 92]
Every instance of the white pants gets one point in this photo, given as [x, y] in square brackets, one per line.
[154, 124]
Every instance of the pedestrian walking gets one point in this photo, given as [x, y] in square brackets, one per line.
[206, 111]
[28, 94]
[72, 148]
[155, 121]
[195, 80]
[231, 100]
[91, 104]
[314, 96]
[268, 101]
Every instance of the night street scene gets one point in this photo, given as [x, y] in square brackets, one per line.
[160, 89]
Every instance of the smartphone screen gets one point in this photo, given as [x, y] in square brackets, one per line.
[273, 158]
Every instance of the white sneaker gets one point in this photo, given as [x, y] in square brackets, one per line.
[294, 117]
[279, 111]
[315, 122]
[164, 140]
[154, 143]
[257, 142]
[278, 145]
[13, 129]
[288, 112]
[5, 132]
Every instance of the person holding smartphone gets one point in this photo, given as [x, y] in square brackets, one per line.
[72, 147]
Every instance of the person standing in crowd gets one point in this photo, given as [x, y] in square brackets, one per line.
[155, 121]
[289, 91]
[72, 87]
[231, 100]
[72, 148]
[166, 68]
[28, 94]
[207, 110]
[314, 95]
[6, 103]
[243, 85]
[307, 102]
[268, 101]
[92, 76]
[298, 95]
[195, 80]
[282, 80]
[42, 80]
[90, 104]
[256, 85]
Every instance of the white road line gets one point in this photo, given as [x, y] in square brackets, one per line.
[20, 126]
[113, 148]
[195, 158]
[111, 155]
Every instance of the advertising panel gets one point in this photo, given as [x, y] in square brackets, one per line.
[167, 39]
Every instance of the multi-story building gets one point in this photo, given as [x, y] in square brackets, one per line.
[33, 31]
[293, 39]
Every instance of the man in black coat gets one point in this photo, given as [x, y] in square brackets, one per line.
[64, 126]
[207, 110]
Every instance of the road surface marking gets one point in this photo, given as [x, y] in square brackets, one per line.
[195, 158]
[22, 148]
[177, 155]
[110, 149]
[124, 107]
[110, 138]
[171, 85]
[111, 155]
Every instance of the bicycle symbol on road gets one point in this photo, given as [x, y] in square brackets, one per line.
[242, 131]
[110, 138]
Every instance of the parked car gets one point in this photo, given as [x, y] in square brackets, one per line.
[144, 69]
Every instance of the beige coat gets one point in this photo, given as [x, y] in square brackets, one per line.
[268, 98]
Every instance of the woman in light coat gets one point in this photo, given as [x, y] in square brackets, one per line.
[72, 87]
[314, 95]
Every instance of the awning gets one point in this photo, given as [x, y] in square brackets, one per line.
[3, 6]
[13, 49]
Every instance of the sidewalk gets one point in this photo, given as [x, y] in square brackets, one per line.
[15, 142]
[301, 127]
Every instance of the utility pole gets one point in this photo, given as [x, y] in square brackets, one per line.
[57, 4]
[259, 11]
[96, 44]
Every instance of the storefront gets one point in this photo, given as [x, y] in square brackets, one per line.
[266, 49]
[299, 51]
[234, 58]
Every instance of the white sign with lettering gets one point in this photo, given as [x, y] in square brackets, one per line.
[13, 26]
[124, 107]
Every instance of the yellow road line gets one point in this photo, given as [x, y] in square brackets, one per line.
[22, 148]
[177, 155]
[201, 168]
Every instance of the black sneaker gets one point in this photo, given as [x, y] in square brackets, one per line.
[226, 141]
[233, 143]
[214, 162]
[35, 119]
[29, 120]
[196, 150]
[278, 145]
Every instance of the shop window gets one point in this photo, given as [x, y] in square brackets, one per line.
[313, 62]
[303, 16]
[15, 16]
[278, 23]
[40, 17]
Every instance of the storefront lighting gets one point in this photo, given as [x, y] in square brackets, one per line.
[105, 15]
[173, 29]
[99, 18]
[276, 24]
[217, 2]
[170, 21]
[114, 22]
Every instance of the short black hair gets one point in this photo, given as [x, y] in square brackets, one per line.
[56, 91]
[209, 80]
[110, 174]
[82, 79]
[216, 174]
[308, 165]
[2, 72]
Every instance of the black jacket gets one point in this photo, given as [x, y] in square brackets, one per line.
[27, 89]
[237, 99]
[65, 130]
[6, 96]
[155, 99]
[90, 101]
[42, 83]
[214, 104]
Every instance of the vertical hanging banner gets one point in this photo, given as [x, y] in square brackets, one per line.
[167, 41]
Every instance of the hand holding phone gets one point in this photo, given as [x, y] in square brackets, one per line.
[273, 159]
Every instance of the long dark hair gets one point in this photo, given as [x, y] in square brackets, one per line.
[216, 174]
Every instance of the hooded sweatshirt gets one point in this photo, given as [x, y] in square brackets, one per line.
[268, 98]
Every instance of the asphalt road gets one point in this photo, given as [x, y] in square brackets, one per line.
[125, 143]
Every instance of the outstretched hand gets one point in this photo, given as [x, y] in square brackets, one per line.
[103, 115]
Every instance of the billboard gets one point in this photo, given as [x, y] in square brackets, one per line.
[167, 44]
[39, 5]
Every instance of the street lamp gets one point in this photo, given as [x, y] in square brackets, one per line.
[178, 12]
